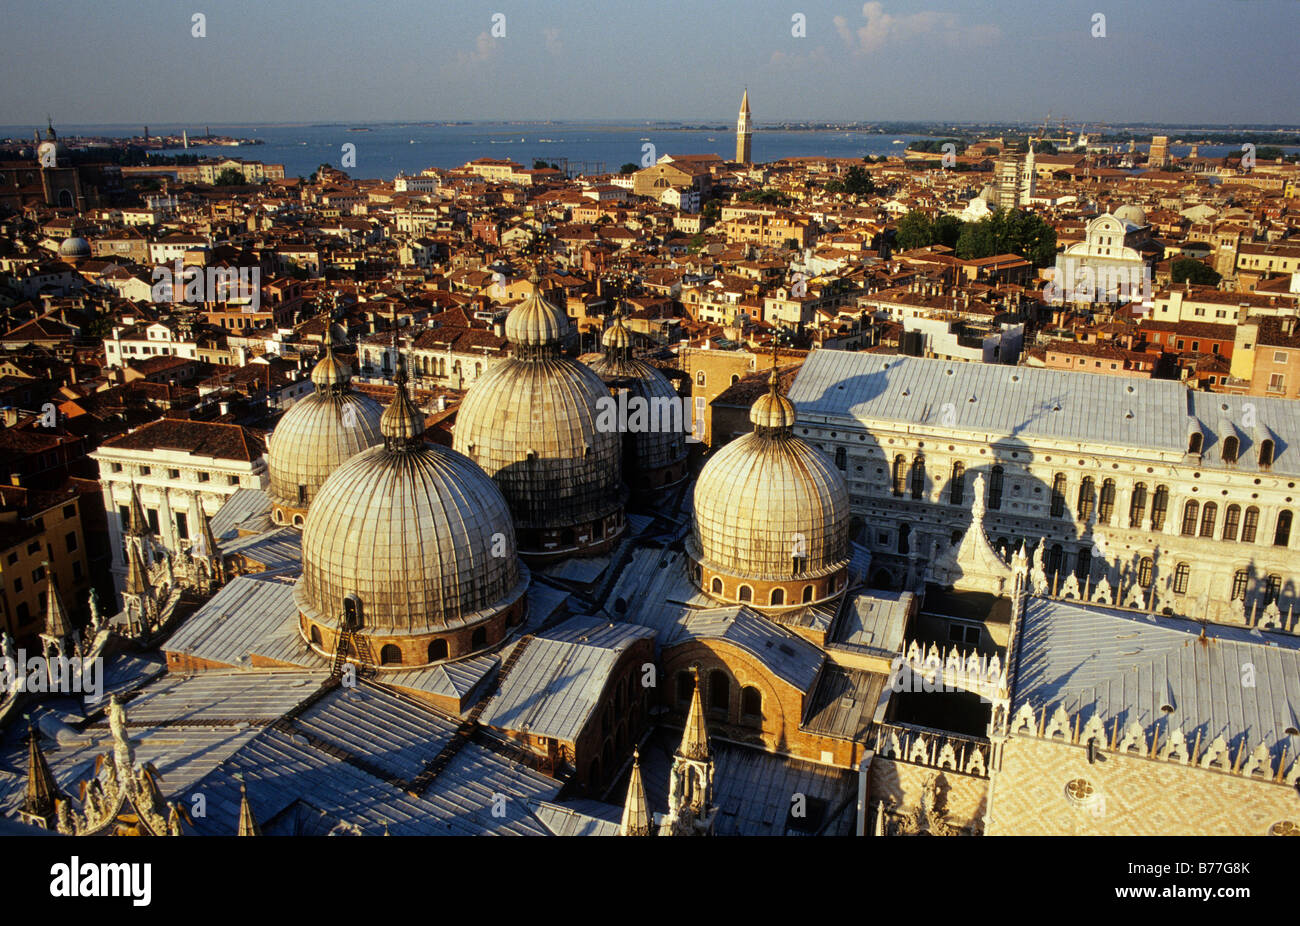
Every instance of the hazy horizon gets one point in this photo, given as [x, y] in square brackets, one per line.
[1177, 62]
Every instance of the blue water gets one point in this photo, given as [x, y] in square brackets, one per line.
[387, 149]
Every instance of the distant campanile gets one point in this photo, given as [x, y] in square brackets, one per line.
[744, 131]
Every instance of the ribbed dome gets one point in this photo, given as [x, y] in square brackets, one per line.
[1134, 215]
[531, 425]
[535, 322]
[75, 248]
[768, 498]
[772, 410]
[419, 533]
[655, 446]
[319, 433]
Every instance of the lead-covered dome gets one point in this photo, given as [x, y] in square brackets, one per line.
[654, 448]
[771, 516]
[75, 248]
[531, 423]
[320, 432]
[420, 539]
[1134, 215]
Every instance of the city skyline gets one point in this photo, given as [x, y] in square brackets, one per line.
[803, 61]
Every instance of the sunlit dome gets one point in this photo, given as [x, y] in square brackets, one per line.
[320, 432]
[531, 422]
[1134, 215]
[420, 539]
[771, 517]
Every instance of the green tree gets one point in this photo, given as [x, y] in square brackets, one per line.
[946, 230]
[915, 230]
[628, 168]
[1008, 232]
[857, 182]
[231, 176]
[1189, 270]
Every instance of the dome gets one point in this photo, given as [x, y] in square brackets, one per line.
[531, 422]
[654, 450]
[987, 192]
[1134, 215]
[536, 322]
[75, 249]
[317, 434]
[422, 537]
[772, 410]
[771, 515]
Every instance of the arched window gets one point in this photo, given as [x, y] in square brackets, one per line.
[1282, 534]
[778, 596]
[1208, 515]
[390, 655]
[1240, 580]
[314, 635]
[1231, 447]
[957, 485]
[807, 593]
[1231, 520]
[918, 477]
[900, 475]
[1181, 573]
[1083, 564]
[1272, 589]
[1107, 504]
[437, 650]
[841, 458]
[1146, 569]
[685, 687]
[735, 378]
[1191, 511]
[699, 377]
[479, 638]
[1087, 496]
[719, 692]
[1137, 506]
[1250, 525]
[995, 488]
[1194, 442]
[1265, 453]
[716, 586]
[1058, 495]
[745, 593]
[1159, 508]
[751, 702]
[904, 531]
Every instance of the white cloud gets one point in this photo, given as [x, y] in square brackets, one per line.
[881, 29]
[485, 49]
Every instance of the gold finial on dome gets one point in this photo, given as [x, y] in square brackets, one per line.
[535, 325]
[773, 411]
[402, 424]
[330, 373]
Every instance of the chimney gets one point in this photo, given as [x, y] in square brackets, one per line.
[442, 403]
[1288, 325]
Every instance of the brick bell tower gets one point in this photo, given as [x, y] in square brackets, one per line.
[744, 131]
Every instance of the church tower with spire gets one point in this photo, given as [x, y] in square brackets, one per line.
[690, 783]
[744, 131]
[637, 819]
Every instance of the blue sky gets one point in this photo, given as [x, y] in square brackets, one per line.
[1198, 61]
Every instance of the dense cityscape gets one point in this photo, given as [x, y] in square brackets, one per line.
[944, 491]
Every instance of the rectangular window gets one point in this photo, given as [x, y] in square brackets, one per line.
[232, 480]
[1277, 382]
[33, 547]
[1279, 356]
[69, 511]
[203, 477]
[182, 526]
[38, 574]
[76, 569]
[152, 516]
[115, 467]
[71, 541]
[173, 474]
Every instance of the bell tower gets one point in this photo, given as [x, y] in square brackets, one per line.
[744, 131]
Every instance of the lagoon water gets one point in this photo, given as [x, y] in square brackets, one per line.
[384, 149]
